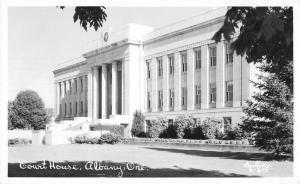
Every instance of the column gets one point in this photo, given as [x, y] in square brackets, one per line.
[177, 82]
[154, 99]
[114, 103]
[104, 88]
[85, 101]
[90, 93]
[237, 63]
[204, 77]
[190, 80]
[95, 92]
[63, 99]
[220, 75]
[78, 93]
[166, 88]
[57, 99]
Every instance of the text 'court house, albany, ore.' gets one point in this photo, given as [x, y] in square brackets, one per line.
[168, 71]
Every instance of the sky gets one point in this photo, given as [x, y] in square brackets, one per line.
[41, 38]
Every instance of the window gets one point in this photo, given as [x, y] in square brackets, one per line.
[60, 92]
[75, 87]
[160, 99]
[160, 66]
[76, 109]
[183, 57]
[213, 56]
[171, 64]
[70, 107]
[183, 96]
[229, 54]
[81, 84]
[149, 101]
[198, 59]
[65, 88]
[227, 121]
[229, 91]
[86, 82]
[212, 92]
[65, 109]
[70, 87]
[60, 109]
[172, 98]
[81, 107]
[197, 94]
[148, 70]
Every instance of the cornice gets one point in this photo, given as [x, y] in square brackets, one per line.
[185, 30]
[111, 47]
[70, 67]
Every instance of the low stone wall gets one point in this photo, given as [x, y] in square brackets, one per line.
[20, 134]
[210, 145]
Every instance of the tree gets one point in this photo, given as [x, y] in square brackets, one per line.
[27, 111]
[265, 35]
[89, 15]
[138, 123]
[269, 116]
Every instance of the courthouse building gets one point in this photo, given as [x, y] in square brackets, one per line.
[172, 70]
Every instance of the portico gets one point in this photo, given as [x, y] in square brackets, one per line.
[106, 85]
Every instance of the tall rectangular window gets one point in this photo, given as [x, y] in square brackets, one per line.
[76, 108]
[198, 58]
[70, 87]
[149, 101]
[229, 91]
[160, 99]
[213, 56]
[229, 54]
[81, 107]
[227, 121]
[183, 96]
[86, 83]
[60, 92]
[172, 98]
[70, 107]
[171, 64]
[183, 57]
[75, 86]
[81, 84]
[65, 87]
[212, 93]
[65, 109]
[197, 94]
[148, 70]
[60, 109]
[160, 66]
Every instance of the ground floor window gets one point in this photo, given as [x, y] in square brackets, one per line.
[183, 97]
[227, 123]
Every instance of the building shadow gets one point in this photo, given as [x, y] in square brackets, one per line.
[106, 169]
[248, 156]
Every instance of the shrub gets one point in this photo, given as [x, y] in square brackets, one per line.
[233, 134]
[157, 127]
[138, 124]
[109, 138]
[114, 129]
[17, 141]
[169, 132]
[212, 128]
[183, 126]
[81, 139]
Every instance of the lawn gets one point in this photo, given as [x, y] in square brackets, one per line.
[139, 161]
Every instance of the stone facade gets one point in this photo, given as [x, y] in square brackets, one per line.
[173, 70]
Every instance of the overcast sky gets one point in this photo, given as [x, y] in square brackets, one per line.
[41, 38]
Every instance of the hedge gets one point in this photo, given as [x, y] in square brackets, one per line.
[114, 129]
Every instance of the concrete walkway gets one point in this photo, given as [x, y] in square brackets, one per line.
[161, 161]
